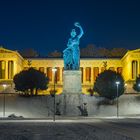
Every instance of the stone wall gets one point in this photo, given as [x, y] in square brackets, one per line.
[42, 106]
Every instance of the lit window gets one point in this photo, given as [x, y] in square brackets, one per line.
[88, 74]
[134, 69]
[96, 72]
[41, 69]
[119, 70]
[49, 73]
[10, 69]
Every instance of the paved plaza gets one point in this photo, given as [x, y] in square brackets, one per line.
[71, 129]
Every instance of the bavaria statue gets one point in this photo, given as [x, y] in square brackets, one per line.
[71, 54]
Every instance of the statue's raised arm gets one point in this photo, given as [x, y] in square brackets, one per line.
[77, 24]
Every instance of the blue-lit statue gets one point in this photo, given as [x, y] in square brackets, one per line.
[71, 54]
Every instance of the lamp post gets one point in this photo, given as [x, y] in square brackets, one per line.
[139, 86]
[4, 86]
[54, 71]
[117, 83]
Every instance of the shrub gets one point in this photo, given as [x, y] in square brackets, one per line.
[136, 85]
[29, 80]
[105, 84]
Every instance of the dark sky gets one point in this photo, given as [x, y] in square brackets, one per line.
[46, 25]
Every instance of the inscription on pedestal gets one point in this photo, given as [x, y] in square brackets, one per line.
[72, 81]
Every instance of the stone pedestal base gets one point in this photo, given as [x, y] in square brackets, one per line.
[69, 104]
[72, 81]
[71, 99]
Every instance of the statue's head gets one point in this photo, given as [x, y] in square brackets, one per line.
[73, 33]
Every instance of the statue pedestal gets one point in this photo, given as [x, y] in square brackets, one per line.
[72, 89]
[72, 82]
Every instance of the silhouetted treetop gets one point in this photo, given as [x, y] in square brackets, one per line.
[29, 52]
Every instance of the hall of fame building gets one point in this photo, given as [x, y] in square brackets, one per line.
[11, 63]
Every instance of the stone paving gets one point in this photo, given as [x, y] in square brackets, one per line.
[93, 129]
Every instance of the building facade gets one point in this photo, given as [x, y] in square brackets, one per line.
[11, 63]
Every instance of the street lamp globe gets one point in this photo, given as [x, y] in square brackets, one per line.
[54, 69]
[117, 82]
[139, 85]
[4, 85]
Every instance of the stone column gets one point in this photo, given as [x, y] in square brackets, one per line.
[115, 69]
[6, 70]
[138, 67]
[15, 67]
[45, 70]
[92, 75]
[100, 70]
[61, 75]
[84, 75]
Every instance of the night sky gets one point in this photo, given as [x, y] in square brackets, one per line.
[46, 25]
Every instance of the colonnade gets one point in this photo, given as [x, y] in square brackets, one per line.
[6, 69]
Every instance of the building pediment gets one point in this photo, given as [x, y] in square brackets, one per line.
[133, 54]
[3, 50]
[8, 53]
[135, 51]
